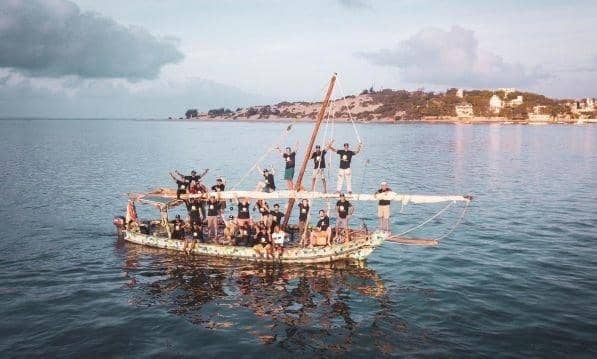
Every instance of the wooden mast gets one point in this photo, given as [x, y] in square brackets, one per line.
[309, 149]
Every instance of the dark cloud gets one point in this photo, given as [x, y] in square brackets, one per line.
[453, 58]
[54, 38]
[97, 98]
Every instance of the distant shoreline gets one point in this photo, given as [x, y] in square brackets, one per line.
[443, 120]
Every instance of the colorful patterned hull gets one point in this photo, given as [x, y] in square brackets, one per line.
[359, 248]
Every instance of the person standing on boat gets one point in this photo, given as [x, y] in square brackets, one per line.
[220, 186]
[275, 217]
[194, 178]
[193, 207]
[318, 157]
[181, 185]
[177, 228]
[244, 216]
[263, 208]
[289, 160]
[213, 212]
[302, 224]
[268, 185]
[383, 207]
[345, 210]
[344, 172]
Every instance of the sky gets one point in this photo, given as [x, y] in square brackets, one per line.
[157, 58]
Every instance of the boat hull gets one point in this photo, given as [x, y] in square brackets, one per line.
[359, 248]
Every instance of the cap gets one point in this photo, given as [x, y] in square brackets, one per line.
[384, 183]
[341, 194]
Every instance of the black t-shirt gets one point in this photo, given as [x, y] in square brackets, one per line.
[319, 159]
[243, 210]
[269, 181]
[182, 185]
[245, 233]
[303, 211]
[345, 158]
[384, 202]
[218, 187]
[193, 206]
[197, 233]
[289, 158]
[324, 223]
[262, 238]
[263, 210]
[343, 208]
[277, 216]
[195, 178]
[178, 228]
[213, 208]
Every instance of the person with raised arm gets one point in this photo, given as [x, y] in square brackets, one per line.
[268, 184]
[290, 161]
[182, 185]
[344, 172]
[318, 157]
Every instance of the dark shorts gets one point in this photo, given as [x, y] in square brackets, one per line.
[289, 173]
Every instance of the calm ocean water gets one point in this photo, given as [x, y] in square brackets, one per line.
[518, 278]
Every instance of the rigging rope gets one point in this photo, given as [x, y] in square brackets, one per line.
[426, 221]
[354, 127]
[271, 148]
[455, 224]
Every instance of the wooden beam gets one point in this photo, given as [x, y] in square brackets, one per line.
[309, 149]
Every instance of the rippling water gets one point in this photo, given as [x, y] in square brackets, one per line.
[517, 278]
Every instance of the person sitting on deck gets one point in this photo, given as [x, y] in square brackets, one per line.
[213, 212]
[244, 216]
[263, 246]
[278, 238]
[290, 160]
[193, 207]
[345, 210]
[230, 230]
[244, 237]
[181, 185]
[268, 184]
[383, 208]
[344, 172]
[177, 228]
[322, 232]
[318, 157]
[302, 224]
[275, 217]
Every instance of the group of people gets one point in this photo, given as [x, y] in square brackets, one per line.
[319, 165]
[265, 233]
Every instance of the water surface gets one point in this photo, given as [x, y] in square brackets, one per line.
[517, 278]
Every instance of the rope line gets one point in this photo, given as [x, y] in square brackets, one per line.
[426, 221]
[354, 127]
[456, 224]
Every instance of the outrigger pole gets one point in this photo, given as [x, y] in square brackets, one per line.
[299, 180]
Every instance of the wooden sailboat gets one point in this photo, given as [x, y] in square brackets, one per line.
[359, 243]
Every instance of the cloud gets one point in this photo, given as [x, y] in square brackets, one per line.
[453, 58]
[54, 38]
[73, 97]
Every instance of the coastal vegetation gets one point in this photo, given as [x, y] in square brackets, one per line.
[387, 105]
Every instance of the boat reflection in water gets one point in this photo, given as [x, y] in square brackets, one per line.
[327, 307]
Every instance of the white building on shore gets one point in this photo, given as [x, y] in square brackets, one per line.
[464, 109]
[495, 104]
